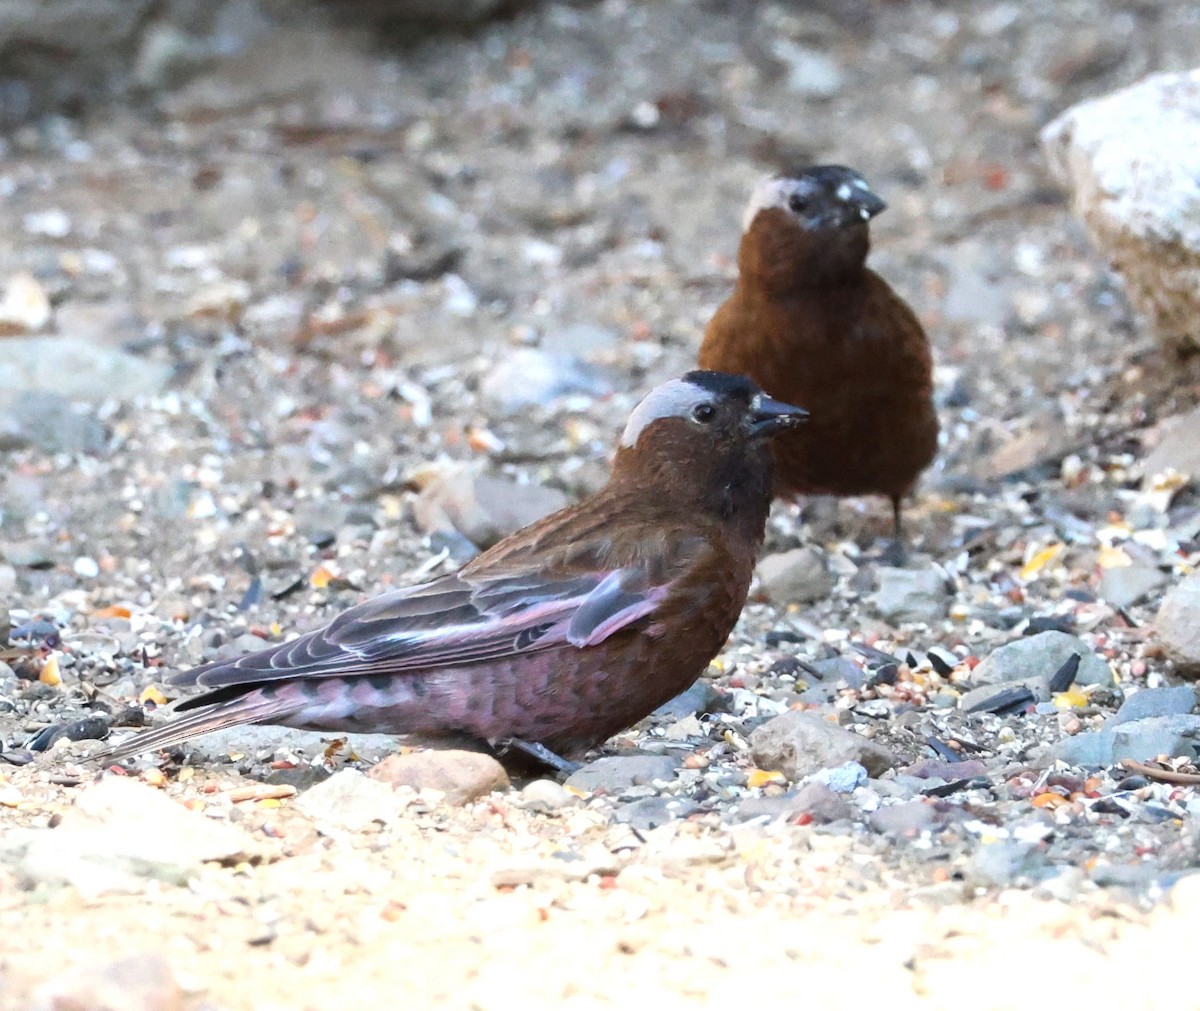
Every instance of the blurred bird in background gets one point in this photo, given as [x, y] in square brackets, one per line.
[812, 324]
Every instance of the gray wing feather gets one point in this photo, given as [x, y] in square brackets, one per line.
[451, 620]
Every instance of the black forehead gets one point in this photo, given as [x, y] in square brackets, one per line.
[724, 385]
[823, 176]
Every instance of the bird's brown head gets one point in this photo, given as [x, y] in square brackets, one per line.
[807, 226]
[701, 443]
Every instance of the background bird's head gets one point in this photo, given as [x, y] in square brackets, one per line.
[701, 442]
[818, 198]
[807, 229]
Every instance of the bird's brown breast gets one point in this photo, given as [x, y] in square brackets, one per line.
[852, 353]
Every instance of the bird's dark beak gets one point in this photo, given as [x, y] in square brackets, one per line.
[854, 203]
[768, 415]
[868, 203]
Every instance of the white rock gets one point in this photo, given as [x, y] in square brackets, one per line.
[810, 72]
[348, 802]
[526, 377]
[119, 834]
[86, 567]
[797, 576]
[25, 307]
[1132, 162]
[53, 223]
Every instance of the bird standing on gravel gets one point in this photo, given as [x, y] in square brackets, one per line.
[813, 325]
[563, 633]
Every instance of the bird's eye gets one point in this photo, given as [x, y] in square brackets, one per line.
[704, 413]
[797, 204]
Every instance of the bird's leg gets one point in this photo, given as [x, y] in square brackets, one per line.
[896, 553]
[536, 751]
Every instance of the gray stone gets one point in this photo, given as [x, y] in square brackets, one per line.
[820, 803]
[1175, 736]
[481, 508]
[71, 25]
[51, 424]
[902, 820]
[463, 776]
[119, 834]
[820, 694]
[1178, 700]
[840, 670]
[1134, 185]
[653, 812]
[168, 55]
[800, 576]
[615, 773]
[903, 786]
[348, 801]
[1041, 656]
[910, 595]
[974, 296]
[845, 778]
[95, 373]
[1178, 625]
[1090, 751]
[315, 517]
[985, 698]
[531, 377]
[1022, 450]
[86, 36]
[937, 768]
[582, 340]
[1123, 585]
[1178, 449]
[1002, 863]
[1133, 876]
[33, 554]
[810, 72]
[799, 744]
[698, 700]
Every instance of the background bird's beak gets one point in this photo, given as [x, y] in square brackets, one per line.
[869, 203]
[859, 202]
[768, 415]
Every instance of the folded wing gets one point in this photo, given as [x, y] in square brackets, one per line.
[451, 620]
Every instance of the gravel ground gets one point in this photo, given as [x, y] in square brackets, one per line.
[294, 309]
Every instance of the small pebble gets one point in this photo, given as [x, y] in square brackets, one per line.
[86, 567]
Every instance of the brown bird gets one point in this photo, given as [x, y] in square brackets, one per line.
[812, 324]
[563, 633]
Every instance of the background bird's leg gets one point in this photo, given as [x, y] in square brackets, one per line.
[896, 553]
[536, 751]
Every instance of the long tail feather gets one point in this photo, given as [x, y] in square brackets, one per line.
[250, 708]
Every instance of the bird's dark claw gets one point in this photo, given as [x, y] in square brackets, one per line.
[536, 751]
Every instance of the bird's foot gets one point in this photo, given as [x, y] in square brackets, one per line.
[895, 554]
[538, 752]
